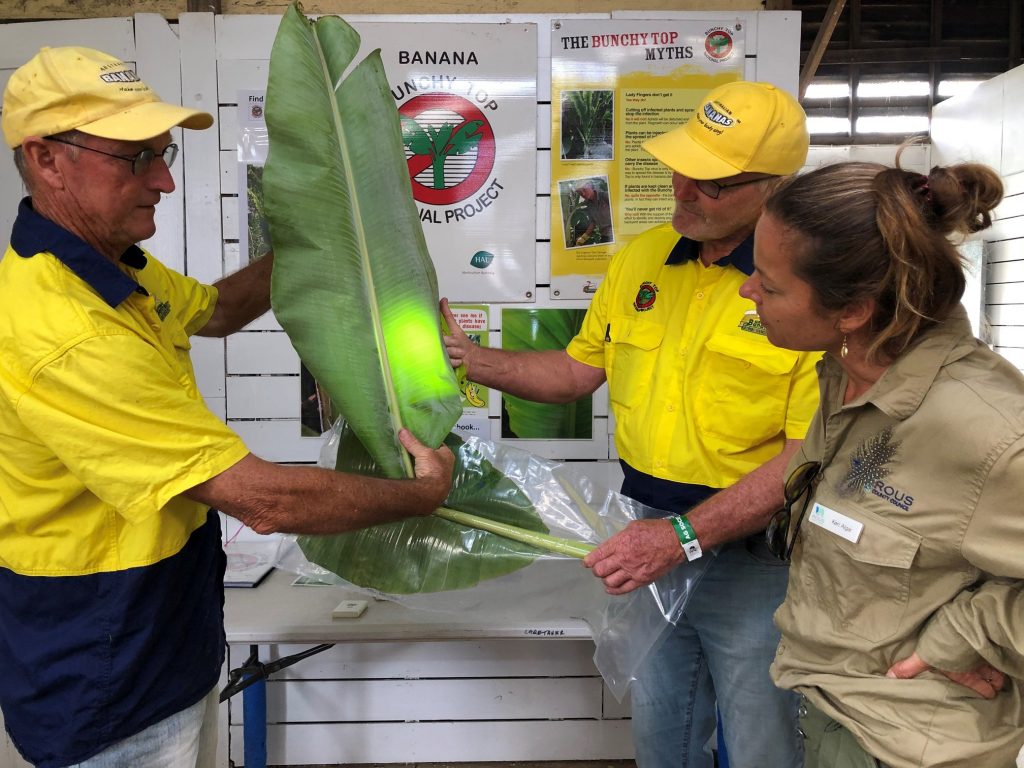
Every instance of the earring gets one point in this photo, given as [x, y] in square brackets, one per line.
[844, 350]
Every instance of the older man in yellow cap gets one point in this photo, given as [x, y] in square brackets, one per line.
[707, 414]
[111, 567]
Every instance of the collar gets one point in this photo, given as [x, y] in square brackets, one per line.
[33, 234]
[742, 256]
[900, 391]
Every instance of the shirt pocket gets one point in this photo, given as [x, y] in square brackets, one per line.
[864, 587]
[633, 355]
[743, 390]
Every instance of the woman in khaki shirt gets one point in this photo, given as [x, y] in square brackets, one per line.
[903, 624]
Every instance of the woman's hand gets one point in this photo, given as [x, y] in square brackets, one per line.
[985, 680]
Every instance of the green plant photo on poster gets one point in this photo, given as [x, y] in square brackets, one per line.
[259, 235]
[542, 329]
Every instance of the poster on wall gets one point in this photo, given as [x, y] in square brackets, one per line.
[615, 84]
[467, 99]
[253, 234]
[474, 320]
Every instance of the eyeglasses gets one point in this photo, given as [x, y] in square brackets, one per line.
[798, 490]
[140, 162]
[713, 188]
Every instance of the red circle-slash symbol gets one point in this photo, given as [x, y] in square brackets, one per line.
[463, 112]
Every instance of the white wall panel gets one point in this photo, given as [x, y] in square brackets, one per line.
[261, 352]
[986, 126]
[263, 397]
[1013, 122]
[485, 741]
[440, 659]
[279, 440]
[432, 700]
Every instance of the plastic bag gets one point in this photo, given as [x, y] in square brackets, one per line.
[545, 586]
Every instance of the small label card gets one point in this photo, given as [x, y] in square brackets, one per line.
[836, 522]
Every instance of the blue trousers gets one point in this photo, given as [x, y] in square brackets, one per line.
[720, 651]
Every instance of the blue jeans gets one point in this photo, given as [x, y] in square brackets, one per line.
[720, 650]
[186, 739]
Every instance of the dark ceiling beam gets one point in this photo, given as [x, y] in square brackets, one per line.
[203, 6]
[821, 41]
[892, 55]
[778, 5]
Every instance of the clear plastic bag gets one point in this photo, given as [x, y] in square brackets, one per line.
[545, 586]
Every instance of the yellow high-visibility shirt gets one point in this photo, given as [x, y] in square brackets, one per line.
[698, 392]
[102, 423]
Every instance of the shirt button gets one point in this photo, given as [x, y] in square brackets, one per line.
[700, 294]
[659, 463]
[671, 408]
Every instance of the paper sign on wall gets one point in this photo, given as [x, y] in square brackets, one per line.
[615, 84]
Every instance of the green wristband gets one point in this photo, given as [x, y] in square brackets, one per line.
[687, 537]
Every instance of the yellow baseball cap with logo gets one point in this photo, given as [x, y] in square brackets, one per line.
[60, 89]
[740, 127]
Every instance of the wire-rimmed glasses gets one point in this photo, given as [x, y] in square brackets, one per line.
[140, 162]
[713, 188]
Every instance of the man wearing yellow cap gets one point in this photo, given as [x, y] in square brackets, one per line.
[707, 413]
[111, 566]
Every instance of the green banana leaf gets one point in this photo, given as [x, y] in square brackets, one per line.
[354, 288]
[430, 554]
[353, 283]
[540, 329]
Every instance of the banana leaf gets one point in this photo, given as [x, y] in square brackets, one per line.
[431, 554]
[353, 284]
[354, 288]
[539, 329]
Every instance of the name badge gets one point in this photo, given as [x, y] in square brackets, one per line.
[836, 522]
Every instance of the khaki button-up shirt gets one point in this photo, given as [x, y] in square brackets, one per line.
[914, 540]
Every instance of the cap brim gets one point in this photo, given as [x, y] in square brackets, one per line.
[682, 154]
[144, 121]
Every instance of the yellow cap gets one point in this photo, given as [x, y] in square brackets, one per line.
[61, 89]
[739, 127]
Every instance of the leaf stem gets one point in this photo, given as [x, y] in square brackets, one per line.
[544, 541]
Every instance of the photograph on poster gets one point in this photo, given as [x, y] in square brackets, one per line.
[256, 220]
[588, 125]
[586, 208]
[540, 329]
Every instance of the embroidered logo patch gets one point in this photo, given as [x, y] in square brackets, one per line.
[163, 309]
[752, 324]
[869, 467]
[645, 297]
[717, 117]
